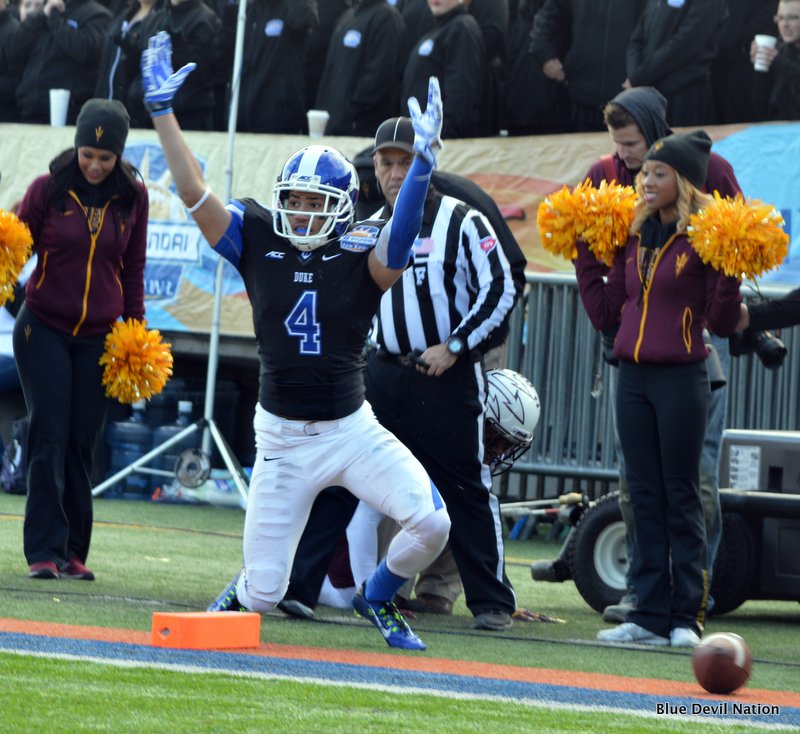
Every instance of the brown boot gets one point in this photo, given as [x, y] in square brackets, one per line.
[430, 604]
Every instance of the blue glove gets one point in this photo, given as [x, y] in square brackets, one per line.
[428, 125]
[160, 83]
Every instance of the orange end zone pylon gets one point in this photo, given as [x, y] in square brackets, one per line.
[206, 630]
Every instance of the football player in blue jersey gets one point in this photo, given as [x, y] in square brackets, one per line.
[314, 282]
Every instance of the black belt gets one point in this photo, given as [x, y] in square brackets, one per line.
[412, 359]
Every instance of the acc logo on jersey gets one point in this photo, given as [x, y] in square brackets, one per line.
[488, 244]
[275, 255]
[359, 239]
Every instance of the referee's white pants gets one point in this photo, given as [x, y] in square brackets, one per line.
[295, 460]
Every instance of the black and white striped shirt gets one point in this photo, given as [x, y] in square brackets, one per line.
[460, 282]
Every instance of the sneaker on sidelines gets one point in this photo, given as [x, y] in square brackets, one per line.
[75, 569]
[618, 613]
[390, 623]
[43, 570]
[684, 637]
[630, 632]
[296, 609]
[227, 601]
[495, 619]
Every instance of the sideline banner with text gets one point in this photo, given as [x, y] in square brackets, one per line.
[517, 172]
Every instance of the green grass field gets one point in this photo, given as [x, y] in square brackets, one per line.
[150, 557]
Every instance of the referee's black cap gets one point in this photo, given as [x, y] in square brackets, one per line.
[396, 132]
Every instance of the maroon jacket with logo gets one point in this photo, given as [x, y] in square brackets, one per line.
[84, 282]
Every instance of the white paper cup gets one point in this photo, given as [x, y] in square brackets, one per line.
[59, 104]
[763, 41]
[317, 120]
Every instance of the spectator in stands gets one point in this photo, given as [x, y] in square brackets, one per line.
[492, 17]
[776, 93]
[119, 63]
[58, 48]
[581, 44]
[9, 76]
[329, 12]
[360, 85]
[532, 103]
[732, 70]
[663, 388]
[29, 7]
[272, 96]
[417, 21]
[454, 52]
[194, 28]
[671, 49]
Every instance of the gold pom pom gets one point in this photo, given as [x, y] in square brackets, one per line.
[741, 238]
[558, 219]
[602, 216]
[607, 219]
[137, 363]
[16, 243]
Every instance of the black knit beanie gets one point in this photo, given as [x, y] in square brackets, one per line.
[103, 123]
[687, 153]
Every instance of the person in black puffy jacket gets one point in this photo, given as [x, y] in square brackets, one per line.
[671, 49]
[454, 53]
[58, 48]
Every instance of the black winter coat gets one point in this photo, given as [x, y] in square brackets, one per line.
[360, 86]
[272, 96]
[673, 47]
[595, 34]
[61, 51]
[454, 53]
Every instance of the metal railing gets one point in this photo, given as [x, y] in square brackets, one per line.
[552, 342]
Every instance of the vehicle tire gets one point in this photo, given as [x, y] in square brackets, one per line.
[598, 557]
[736, 565]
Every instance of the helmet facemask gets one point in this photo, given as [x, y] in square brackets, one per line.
[327, 173]
[511, 414]
[502, 449]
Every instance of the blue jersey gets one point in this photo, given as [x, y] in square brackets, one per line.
[312, 312]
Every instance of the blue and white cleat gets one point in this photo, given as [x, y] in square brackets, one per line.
[227, 601]
[390, 623]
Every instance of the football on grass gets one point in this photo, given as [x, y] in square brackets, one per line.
[722, 662]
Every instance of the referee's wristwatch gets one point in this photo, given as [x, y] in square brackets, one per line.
[456, 345]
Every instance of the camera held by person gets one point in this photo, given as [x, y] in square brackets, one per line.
[769, 349]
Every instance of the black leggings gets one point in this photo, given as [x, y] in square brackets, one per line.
[661, 417]
[61, 381]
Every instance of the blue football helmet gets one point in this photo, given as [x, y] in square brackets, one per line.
[316, 169]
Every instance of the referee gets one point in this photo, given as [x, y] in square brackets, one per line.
[425, 380]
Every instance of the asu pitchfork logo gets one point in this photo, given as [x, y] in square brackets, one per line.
[680, 263]
[98, 132]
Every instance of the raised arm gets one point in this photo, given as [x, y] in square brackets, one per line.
[160, 86]
[390, 256]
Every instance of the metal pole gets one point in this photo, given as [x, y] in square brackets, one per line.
[211, 432]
